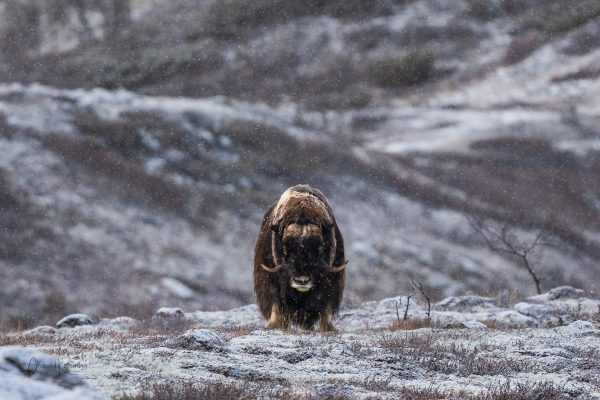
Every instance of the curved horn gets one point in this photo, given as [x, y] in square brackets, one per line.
[269, 269]
[339, 268]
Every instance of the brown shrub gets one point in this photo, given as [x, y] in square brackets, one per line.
[413, 323]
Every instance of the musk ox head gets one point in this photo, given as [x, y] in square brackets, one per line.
[303, 240]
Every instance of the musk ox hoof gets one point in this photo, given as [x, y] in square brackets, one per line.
[328, 328]
[276, 325]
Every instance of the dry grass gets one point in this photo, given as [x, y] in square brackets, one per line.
[187, 391]
[26, 340]
[245, 390]
[508, 391]
[414, 323]
[230, 332]
[436, 352]
[238, 390]
[161, 326]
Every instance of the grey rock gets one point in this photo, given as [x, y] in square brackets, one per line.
[195, 339]
[464, 302]
[38, 366]
[73, 320]
[559, 293]
[166, 312]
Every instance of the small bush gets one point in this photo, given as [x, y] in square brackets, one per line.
[413, 69]
[117, 135]
[561, 17]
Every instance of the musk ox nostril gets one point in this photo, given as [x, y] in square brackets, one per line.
[302, 280]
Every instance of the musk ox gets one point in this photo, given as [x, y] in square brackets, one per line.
[299, 261]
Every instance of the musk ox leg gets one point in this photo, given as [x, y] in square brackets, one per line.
[325, 323]
[277, 320]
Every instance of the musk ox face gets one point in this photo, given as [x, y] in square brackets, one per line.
[303, 258]
[299, 261]
[302, 254]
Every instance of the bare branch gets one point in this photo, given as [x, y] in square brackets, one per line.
[499, 240]
[405, 317]
[417, 285]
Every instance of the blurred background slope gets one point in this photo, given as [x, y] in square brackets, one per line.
[141, 142]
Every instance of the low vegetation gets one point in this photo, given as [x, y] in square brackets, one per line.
[560, 17]
[232, 18]
[484, 9]
[544, 390]
[133, 65]
[412, 69]
[247, 391]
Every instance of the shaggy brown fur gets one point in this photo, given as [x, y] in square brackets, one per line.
[299, 236]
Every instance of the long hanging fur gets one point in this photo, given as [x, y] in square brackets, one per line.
[301, 210]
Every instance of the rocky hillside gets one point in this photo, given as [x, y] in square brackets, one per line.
[136, 174]
[469, 347]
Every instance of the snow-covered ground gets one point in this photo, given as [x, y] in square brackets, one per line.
[544, 346]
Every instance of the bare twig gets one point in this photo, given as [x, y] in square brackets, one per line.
[500, 240]
[405, 317]
[417, 285]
